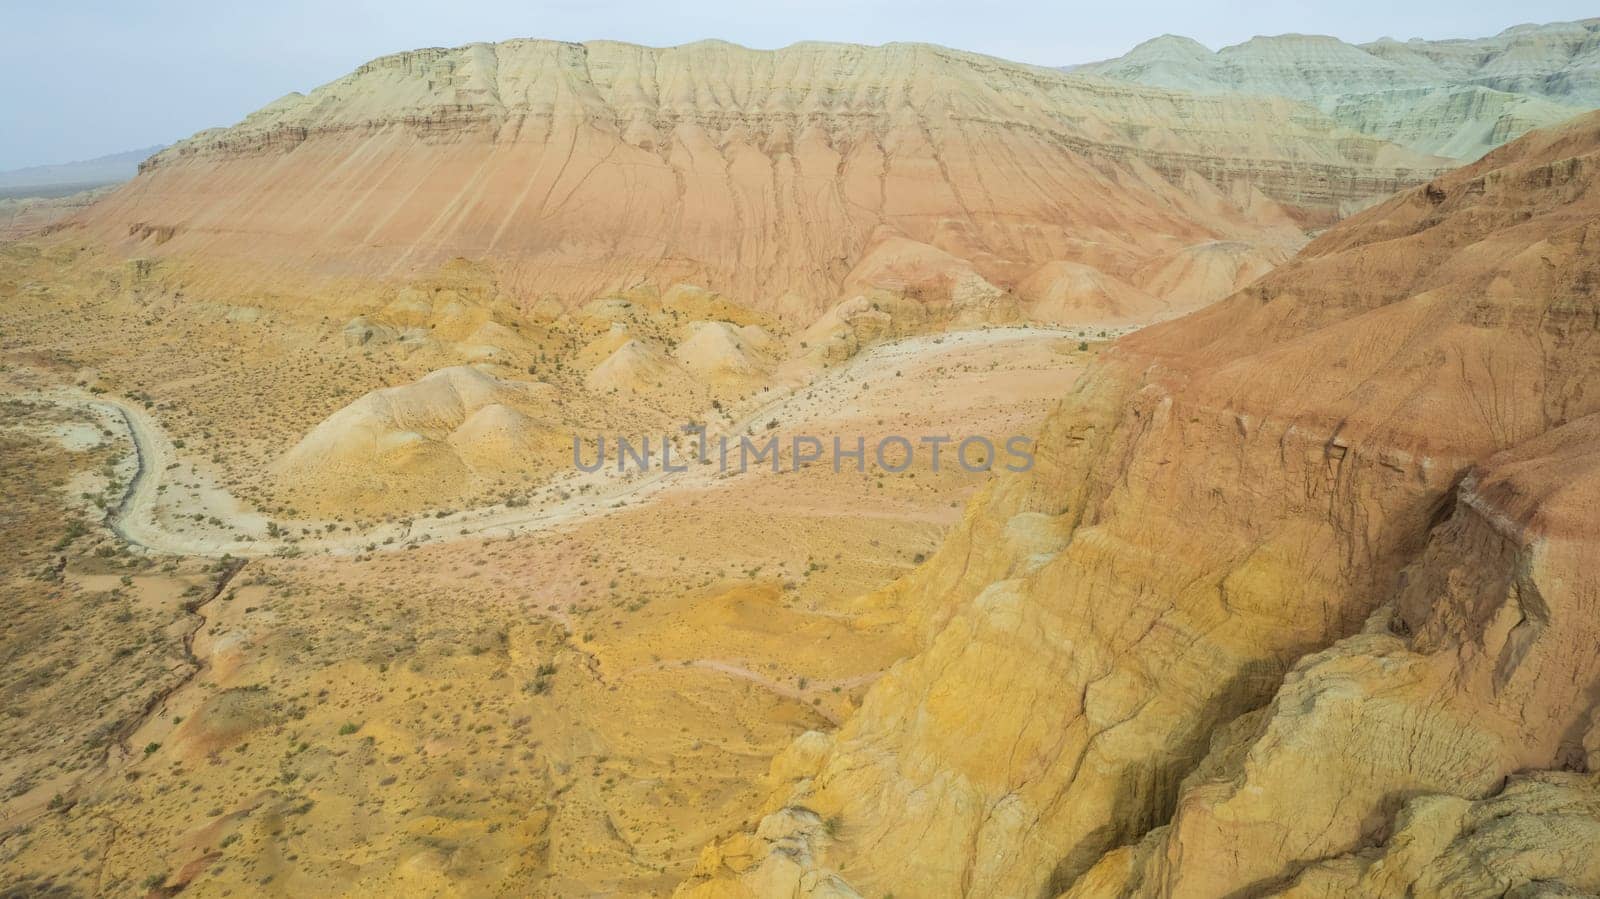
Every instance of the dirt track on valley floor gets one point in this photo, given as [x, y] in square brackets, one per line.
[135, 518]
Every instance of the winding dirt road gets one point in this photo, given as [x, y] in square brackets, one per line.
[137, 516]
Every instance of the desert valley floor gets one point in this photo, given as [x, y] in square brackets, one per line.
[556, 695]
[303, 591]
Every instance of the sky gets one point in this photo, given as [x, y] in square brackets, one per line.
[84, 78]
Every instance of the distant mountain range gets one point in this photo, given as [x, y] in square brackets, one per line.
[71, 177]
[1454, 98]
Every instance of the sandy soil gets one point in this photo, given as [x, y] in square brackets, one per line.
[551, 703]
[167, 493]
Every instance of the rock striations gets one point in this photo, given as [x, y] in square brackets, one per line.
[1455, 98]
[1300, 598]
[771, 176]
[419, 442]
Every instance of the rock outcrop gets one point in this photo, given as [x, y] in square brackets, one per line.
[422, 442]
[575, 170]
[1415, 735]
[1455, 98]
[638, 367]
[1299, 596]
[1073, 292]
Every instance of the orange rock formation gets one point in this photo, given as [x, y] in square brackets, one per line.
[772, 176]
[1301, 596]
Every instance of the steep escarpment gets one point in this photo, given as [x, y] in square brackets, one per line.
[772, 176]
[1450, 747]
[1283, 567]
[1455, 98]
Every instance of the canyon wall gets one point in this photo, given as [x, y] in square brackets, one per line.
[776, 177]
[1300, 596]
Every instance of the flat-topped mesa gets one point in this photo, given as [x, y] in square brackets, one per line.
[846, 92]
[768, 175]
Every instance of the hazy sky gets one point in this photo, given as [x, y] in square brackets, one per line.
[84, 78]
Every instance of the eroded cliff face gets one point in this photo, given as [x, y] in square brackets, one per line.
[1455, 98]
[1298, 582]
[772, 176]
[1389, 762]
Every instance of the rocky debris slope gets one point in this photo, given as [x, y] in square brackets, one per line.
[1455, 98]
[771, 176]
[1299, 595]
